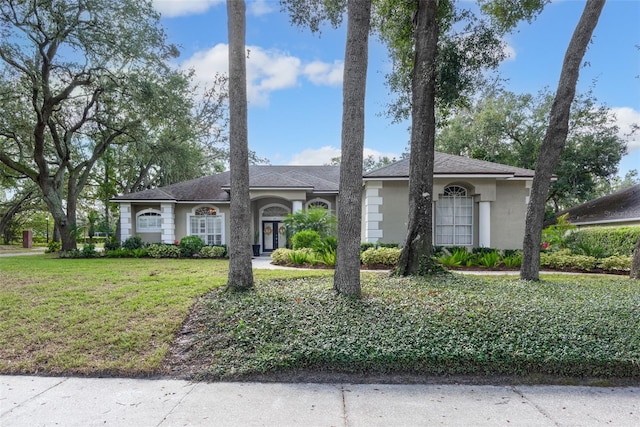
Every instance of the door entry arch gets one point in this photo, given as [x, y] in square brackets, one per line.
[273, 233]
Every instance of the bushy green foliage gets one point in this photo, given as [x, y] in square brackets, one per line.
[89, 251]
[489, 259]
[53, 247]
[281, 256]
[133, 242]
[616, 263]
[555, 236]
[302, 256]
[444, 325]
[111, 244]
[381, 256]
[212, 252]
[191, 245]
[161, 250]
[563, 259]
[614, 241]
[513, 260]
[459, 257]
[120, 253]
[366, 245]
[305, 239]
[320, 220]
[326, 250]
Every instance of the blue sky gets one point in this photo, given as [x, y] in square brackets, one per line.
[295, 77]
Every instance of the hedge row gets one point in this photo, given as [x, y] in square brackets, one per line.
[611, 241]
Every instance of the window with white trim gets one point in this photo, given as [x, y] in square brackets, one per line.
[149, 221]
[318, 203]
[454, 217]
[208, 224]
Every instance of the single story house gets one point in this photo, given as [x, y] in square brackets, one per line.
[476, 204]
[617, 209]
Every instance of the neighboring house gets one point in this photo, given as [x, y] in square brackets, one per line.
[617, 209]
[476, 203]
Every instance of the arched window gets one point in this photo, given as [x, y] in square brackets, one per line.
[148, 221]
[208, 224]
[454, 217]
[318, 203]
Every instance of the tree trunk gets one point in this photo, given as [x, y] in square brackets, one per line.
[555, 138]
[346, 279]
[240, 272]
[14, 209]
[635, 264]
[418, 245]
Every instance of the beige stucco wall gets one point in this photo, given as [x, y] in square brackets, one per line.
[507, 199]
[182, 210]
[508, 214]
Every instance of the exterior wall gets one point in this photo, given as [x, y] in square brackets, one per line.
[182, 210]
[508, 214]
[507, 201]
[146, 237]
[395, 211]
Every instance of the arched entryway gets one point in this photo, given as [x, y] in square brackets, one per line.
[272, 229]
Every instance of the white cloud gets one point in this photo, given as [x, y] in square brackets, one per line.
[322, 73]
[625, 118]
[323, 155]
[260, 7]
[173, 8]
[509, 52]
[268, 70]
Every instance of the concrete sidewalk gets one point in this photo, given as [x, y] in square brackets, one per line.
[49, 401]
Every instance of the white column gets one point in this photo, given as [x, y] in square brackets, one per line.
[372, 215]
[126, 223]
[484, 224]
[297, 206]
[168, 223]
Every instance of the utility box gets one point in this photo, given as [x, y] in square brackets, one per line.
[27, 239]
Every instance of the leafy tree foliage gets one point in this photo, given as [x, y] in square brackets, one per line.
[507, 128]
[74, 79]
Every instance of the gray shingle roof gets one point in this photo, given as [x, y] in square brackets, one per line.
[623, 205]
[319, 179]
[449, 164]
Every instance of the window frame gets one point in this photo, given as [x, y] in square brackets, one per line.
[461, 232]
[210, 228]
[148, 213]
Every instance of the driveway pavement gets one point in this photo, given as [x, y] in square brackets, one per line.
[49, 401]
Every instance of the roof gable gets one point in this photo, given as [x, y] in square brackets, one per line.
[623, 205]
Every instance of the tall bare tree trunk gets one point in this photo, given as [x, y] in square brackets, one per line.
[418, 244]
[635, 264]
[240, 272]
[555, 138]
[346, 278]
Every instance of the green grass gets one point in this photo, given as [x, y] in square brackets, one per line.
[99, 316]
[120, 317]
[566, 326]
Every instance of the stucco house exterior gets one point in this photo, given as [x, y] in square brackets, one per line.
[617, 209]
[476, 203]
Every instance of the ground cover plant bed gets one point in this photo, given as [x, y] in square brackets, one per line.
[99, 316]
[565, 327]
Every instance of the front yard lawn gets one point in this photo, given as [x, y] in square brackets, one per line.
[121, 316]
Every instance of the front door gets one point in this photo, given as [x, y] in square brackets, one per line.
[273, 235]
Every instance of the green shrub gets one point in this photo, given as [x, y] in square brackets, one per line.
[366, 245]
[305, 239]
[120, 253]
[53, 247]
[133, 242]
[381, 256]
[459, 256]
[489, 259]
[161, 250]
[482, 251]
[326, 250]
[111, 244]
[614, 241]
[320, 220]
[513, 260]
[387, 245]
[281, 256]
[616, 262]
[212, 252]
[564, 260]
[191, 245]
[555, 237]
[89, 251]
[140, 253]
[302, 256]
